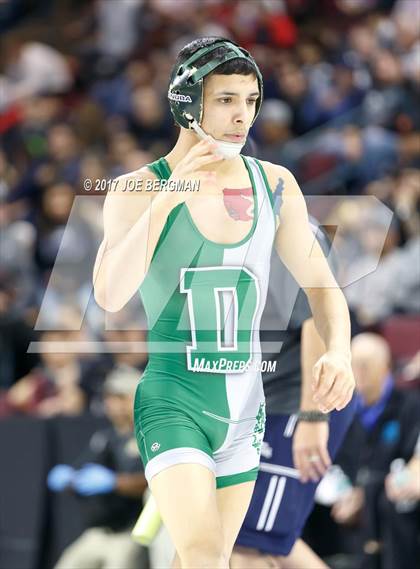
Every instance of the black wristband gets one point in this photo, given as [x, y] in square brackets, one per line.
[313, 416]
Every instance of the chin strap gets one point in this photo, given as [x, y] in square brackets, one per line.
[226, 149]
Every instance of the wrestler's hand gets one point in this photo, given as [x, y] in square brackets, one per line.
[333, 381]
[191, 168]
[347, 509]
[310, 450]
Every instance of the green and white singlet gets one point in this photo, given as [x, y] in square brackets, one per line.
[201, 399]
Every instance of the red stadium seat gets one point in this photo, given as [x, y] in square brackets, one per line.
[402, 332]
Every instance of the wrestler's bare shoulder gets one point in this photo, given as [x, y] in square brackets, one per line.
[279, 174]
[131, 182]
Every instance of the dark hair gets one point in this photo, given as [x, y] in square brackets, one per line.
[234, 66]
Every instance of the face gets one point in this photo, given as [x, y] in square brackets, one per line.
[229, 106]
[291, 81]
[147, 106]
[130, 339]
[62, 142]
[58, 359]
[370, 370]
[363, 373]
[363, 41]
[273, 132]
[387, 67]
[120, 145]
[57, 202]
[118, 408]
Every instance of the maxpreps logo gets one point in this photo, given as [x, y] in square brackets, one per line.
[179, 98]
[222, 365]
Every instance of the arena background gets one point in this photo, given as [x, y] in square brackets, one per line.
[82, 97]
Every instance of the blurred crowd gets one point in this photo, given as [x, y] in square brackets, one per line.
[83, 97]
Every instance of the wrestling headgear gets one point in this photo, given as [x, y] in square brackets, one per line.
[186, 89]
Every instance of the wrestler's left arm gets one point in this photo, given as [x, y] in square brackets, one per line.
[333, 381]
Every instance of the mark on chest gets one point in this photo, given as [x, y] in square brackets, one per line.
[239, 203]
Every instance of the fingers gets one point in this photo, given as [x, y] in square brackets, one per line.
[333, 398]
[339, 395]
[346, 399]
[201, 147]
[300, 466]
[310, 453]
[184, 166]
[201, 160]
[339, 392]
[190, 169]
[205, 152]
[311, 469]
[201, 154]
[324, 381]
[348, 507]
[325, 457]
[396, 491]
[333, 382]
[305, 467]
[204, 146]
[393, 492]
[343, 510]
[401, 494]
[311, 462]
[339, 512]
[316, 374]
[317, 465]
[309, 465]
